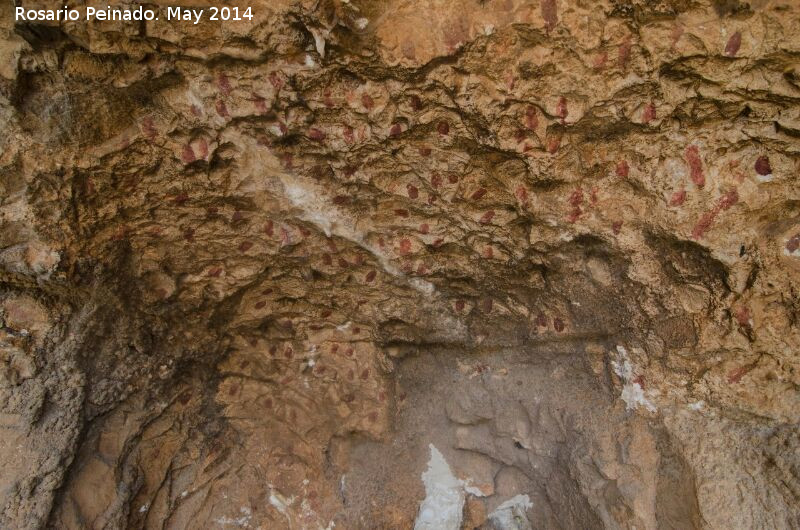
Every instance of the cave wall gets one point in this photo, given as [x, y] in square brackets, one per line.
[252, 269]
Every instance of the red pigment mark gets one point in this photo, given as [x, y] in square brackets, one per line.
[367, 101]
[443, 128]
[370, 276]
[277, 82]
[415, 102]
[327, 260]
[558, 324]
[705, 222]
[196, 110]
[487, 304]
[326, 98]
[624, 53]
[188, 234]
[459, 305]
[793, 243]
[405, 246]
[488, 252]
[561, 109]
[260, 103]
[549, 14]
[365, 374]
[522, 194]
[531, 118]
[268, 228]
[487, 217]
[510, 81]
[288, 353]
[261, 304]
[412, 190]
[224, 85]
[401, 212]
[733, 45]
[245, 246]
[692, 155]
[639, 380]
[677, 33]
[478, 194]
[763, 166]
[286, 160]
[180, 199]
[452, 178]
[736, 375]
[649, 113]
[616, 227]
[348, 135]
[425, 151]
[553, 144]
[422, 269]
[575, 200]
[285, 239]
[237, 216]
[215, 272]
[541, 320]
[341, 199]
[187, 155]
[396, 129]
[149, 128]
[424, 228]
[600, 61]
[438, 242]
[742, 315]
[520, 135]
[436, 180]
[623, 169]
[203, 146]
[342, 263]
[677, 198]
[222, 109]
[316, 134]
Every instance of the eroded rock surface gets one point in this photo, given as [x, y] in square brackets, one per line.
[252, 270]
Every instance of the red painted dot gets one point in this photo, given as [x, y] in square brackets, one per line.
[396, 129]
[616, 227]
[224, 84]
[558, 324]
[367, 101]
[478, 194]
[733, 45]
[187, 155]
[401, 212]
[412, 190]
[316, 134]
[425, 151]
[443, 128]
[459, 305]
[260, 304]
[405, 246]
[370, 276]
[487, 217]
[487, 304]
[622, 168]
[424, 228]
[763, 166]
[221, 108]
[678, 198]
[245, 246]
[692, 155]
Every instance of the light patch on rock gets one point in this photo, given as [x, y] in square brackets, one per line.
[511, 515]
[632, 391]
[444, 496]
[765, 178]
[697, 405]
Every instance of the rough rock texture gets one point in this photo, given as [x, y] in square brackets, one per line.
[252, 270]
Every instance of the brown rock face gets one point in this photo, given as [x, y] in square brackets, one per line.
[251, 271]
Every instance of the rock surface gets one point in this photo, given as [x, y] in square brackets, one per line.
[252, 269]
